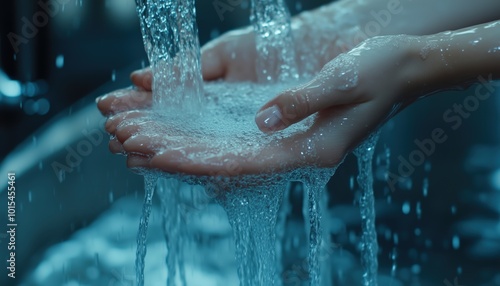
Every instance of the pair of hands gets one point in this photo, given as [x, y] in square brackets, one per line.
[352, 96]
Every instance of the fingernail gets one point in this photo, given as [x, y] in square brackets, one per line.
[138, 72]
[270, 119]
[98, 99]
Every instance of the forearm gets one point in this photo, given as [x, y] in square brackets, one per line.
[366, 19]
[323, 33]
[423, 17]
[449, 60]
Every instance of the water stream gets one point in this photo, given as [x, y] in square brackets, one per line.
[252, 214]
[149, 187]
[173, 229]
[170, 36]
[369, 245]
[274, 41]
[315, 183]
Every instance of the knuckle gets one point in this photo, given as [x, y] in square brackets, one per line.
[298, 107]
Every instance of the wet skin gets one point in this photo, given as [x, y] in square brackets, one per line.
[390, 74]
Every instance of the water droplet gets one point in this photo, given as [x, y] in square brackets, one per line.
[494, 50]
[417, 231]
[476, 41]
[43, 106]
[405, 183]
[425, 187]
[415, 269]
[418, 210]
[455, 242]
[61, 175]
[60, 61]
[428, 243]
[406, 208]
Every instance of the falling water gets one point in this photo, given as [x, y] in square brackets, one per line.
[315, 182]
[274, 41]
[174, 230]
[284, 211]
[170, 36]
[252, 214]
[369, 245]
[149, 186]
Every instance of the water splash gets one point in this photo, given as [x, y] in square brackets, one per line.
[252, 214]
[274, 42]
[369, 245]
[149, 186]
[315, 182]
[174, 230]
[170, 36]
[284, 211]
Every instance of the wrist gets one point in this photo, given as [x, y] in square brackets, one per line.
[414, 76]
[455, 60]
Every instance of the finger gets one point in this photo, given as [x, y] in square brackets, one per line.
[212, 63]
[144, 144]
[143, 78]
[126, 131]
[333, 86]
[113, 122]
[175, 161]
[123, 100]
[135, 161]
[115, 146]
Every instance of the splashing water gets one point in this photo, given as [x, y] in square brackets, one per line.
[369, 245]
[173, 230]
[315, 183]
[170, 36]
[284, 211]
[274, 41]
[149, 186]
[252, 214]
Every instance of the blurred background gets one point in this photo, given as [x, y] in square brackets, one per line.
[440, 224]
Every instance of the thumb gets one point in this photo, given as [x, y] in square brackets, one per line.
[143, 78]
[212, 64]
[326, 90]
[212, 67]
